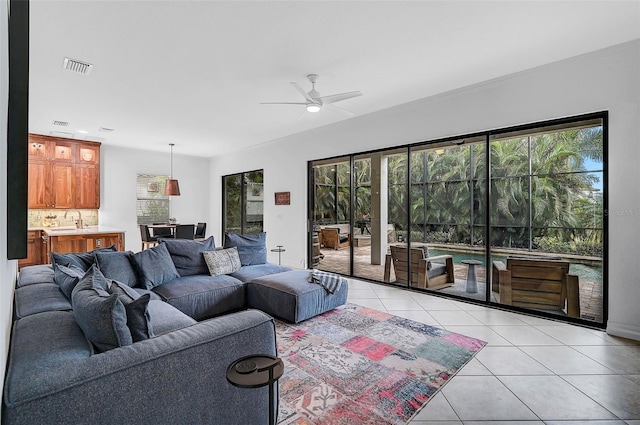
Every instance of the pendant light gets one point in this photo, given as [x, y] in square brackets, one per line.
[171, 187]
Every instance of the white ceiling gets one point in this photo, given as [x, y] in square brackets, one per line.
[194, 73]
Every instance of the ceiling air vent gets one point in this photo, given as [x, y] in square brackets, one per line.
[77, 66]
[64, 134]
[105, 129]
[61, 123]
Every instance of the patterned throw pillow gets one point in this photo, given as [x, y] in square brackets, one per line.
[222, 261]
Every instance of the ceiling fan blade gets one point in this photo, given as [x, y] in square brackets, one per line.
[341, 96]
[339, 109]
[302, 92]
[283, 103]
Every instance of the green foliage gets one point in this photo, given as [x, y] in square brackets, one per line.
[540, 182]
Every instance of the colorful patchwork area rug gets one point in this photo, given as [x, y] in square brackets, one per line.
[355, 365]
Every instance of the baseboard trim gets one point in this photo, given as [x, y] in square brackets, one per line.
[623, 330]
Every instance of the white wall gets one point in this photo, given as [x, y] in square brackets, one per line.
[8, 269]
[119, 168]
[604, 80]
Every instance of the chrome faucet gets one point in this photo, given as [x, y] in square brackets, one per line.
[79, 221]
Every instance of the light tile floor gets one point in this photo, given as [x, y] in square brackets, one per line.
[532, 370]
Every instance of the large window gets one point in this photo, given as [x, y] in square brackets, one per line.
[243, 198]
[483, 202]
[152, 206]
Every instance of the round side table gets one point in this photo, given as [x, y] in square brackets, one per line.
[472, 279]
[257, 371]
[279, 249]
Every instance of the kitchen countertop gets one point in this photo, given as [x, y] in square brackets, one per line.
[89, 230]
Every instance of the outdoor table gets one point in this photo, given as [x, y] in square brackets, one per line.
[472, 279]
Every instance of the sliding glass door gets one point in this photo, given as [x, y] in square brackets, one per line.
[330, 228]
[548, 219]
[514, 217]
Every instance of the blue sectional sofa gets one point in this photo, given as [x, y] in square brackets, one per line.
[162, 356]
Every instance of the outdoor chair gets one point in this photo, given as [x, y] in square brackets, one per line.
[426, 272]
[332, 238]
[539, 284]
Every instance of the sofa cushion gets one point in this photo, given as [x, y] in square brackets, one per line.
[222, 261]
[187, 254]
[42, 343]
[152, 295]
[252, 249]
[138, 318]
[290, 296]
[83, 260]
[166, 318]
[154, 266]
[67, 278]
[203, 296]
[101, 316]
[35, 274]
[248, 273]
[33, 299]
[117, 266]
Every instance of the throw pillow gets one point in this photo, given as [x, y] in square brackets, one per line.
[187, 254]
[83, 260]
[117, 266]
[252, 249]
[222, 261]
[136, 306]
[101, 316]
[67, 278]
[154, 266]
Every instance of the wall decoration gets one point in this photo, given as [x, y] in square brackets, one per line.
[283, 198]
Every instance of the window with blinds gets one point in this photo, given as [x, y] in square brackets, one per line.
[152, 206]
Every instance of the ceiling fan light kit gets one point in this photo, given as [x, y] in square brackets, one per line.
[313, 101]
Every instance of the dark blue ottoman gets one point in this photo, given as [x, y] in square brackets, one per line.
[290, 296]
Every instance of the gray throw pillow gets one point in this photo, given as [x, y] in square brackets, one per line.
[222, 261]
[136, 306]
[67, 278]
[187, 254]
[154, 266]
[117, 266]
[101, 316]
[83, 260]
[252, 249]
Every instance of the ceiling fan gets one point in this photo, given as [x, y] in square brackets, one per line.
[313, 101]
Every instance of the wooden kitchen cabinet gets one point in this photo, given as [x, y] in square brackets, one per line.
[35, 250]
[63, 173]
[83, 242]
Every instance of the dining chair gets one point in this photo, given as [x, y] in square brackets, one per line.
[147, 240]
[162, 232]
[201, 231]
[184, 231]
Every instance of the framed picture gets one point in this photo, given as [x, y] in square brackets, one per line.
[152, 187]
[283, 198]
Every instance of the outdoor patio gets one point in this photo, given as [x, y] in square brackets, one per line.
[337, 261]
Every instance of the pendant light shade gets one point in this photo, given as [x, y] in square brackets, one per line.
[171, 187]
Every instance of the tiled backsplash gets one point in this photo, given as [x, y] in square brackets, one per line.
[38, 218]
